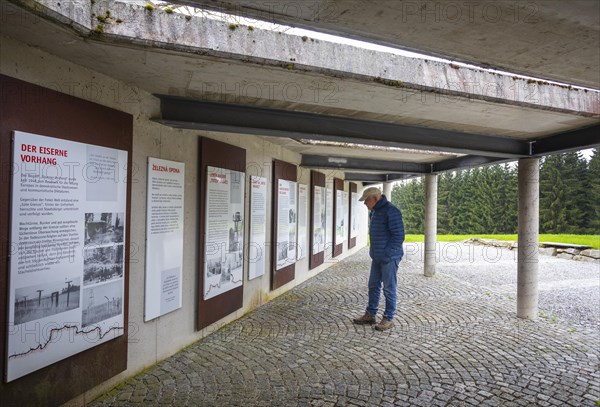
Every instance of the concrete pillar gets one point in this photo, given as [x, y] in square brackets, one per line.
[529, 214]
[387, 190]
[430, 223]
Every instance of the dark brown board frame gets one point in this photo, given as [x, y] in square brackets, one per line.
[38, 110]
[284, 171]
[338, 247]
[215, 153]
[317, 179]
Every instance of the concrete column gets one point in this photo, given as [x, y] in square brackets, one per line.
[430, 223]
[529, 214]
[387, 190]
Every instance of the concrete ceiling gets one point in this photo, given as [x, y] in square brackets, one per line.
[549, 39]
[211, 63]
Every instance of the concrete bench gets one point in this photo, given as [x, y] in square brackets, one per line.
[565, 245]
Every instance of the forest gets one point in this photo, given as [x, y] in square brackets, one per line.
[483, 200]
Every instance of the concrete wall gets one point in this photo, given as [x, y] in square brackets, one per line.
[157, 339]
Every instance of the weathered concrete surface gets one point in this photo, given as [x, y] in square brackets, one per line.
[172, 31]
[408, 78]
[549, 39]
[454, 343]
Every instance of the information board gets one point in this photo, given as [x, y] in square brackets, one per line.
[319, 221]
[224, 231]
[302, 221]
[329, 231]
[286, 223]
[164, 237]
[67, 234]
[258, 227]
[354, 211]
[340, 218]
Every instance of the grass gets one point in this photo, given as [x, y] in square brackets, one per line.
[588, 240]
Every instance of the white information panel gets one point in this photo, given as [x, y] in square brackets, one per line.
[286, 223]
[164, 237]
[258, 227]
[340, 224]
[346, 215]
[354, 220]
[329, 221]
[319, 221]
[67, 234]
[224, 240]
[302, 221]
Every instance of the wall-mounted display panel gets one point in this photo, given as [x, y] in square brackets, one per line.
[34, 109]
[67, 237]
[302, 221]
[339, 216]
[346, 215]
[257, 254]
[284, 220]
[329, 230]
[164, 237]
[221, 220]
[224, 244]
[287, 214]
[353, 207]
[317, 219]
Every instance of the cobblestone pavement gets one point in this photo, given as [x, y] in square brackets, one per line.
[455, 343]
[569, 289]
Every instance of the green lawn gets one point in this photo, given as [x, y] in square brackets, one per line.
[589, 240]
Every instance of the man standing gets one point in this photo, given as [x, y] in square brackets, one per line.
[386, 232]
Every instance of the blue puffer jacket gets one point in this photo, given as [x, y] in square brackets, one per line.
[386, 232]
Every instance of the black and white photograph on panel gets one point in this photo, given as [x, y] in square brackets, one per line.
[214, 267]
[102, 302]
[102, 264]
[44, 300]
[103, 228]
[282, 251]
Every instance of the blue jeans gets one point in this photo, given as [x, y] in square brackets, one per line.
[383, 273]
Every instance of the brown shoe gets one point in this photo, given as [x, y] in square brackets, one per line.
[384, 325]
[365, 319]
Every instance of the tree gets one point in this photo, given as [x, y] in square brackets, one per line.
[575, 177]
[484, 199]
[593, 193]
[410, 198]
[553, 214]
[445, 185]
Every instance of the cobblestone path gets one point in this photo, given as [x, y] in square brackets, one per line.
[454, 344]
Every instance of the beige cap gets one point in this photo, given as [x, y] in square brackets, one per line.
[368, 192]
